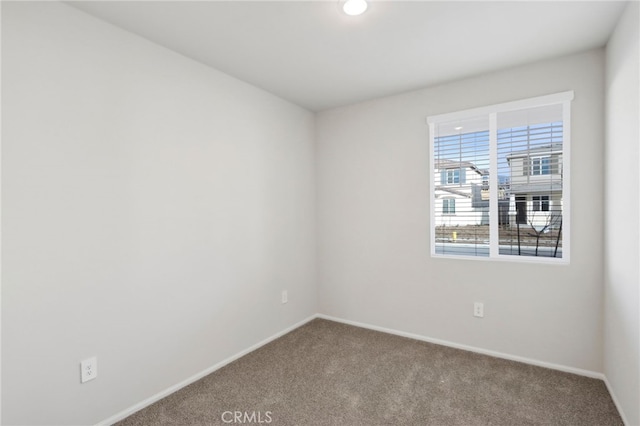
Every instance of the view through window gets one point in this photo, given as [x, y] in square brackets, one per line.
[499, 180]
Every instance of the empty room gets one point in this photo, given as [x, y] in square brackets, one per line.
[320, 212]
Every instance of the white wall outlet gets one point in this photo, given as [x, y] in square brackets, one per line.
[88, 369]
[285, 297]
[478, 309]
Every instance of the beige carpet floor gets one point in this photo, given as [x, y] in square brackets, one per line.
[327, 373]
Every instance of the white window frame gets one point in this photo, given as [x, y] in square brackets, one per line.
[492, 111]
[540, 159]
[455, 180]
[450, 202]
[539, 201]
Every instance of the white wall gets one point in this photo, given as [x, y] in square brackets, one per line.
[153, 209]
[373, 224]
[622, 216]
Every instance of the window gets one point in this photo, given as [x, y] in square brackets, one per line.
[540, 166]
[540, 203]
[449, 206]
[452, 176]
[507, 167]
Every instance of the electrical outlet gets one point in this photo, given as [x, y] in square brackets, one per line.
[478, 309]
[88, 369]
[285, 297]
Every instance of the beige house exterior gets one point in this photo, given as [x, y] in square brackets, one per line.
[535, 187]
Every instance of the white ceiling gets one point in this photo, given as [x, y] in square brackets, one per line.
[312, 54]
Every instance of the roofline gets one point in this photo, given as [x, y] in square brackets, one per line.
[460, 164]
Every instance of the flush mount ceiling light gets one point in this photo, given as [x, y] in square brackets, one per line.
[354, 7]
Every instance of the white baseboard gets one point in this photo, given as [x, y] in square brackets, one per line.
[566, 369]
[530, 361]
[616, 402]
[137, 407]
[143, 404]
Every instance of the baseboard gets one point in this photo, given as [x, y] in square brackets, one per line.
[139, 406]
[615, 401]
[143, 404]
[530, 361]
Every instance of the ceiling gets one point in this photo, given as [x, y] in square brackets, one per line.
[312, 54]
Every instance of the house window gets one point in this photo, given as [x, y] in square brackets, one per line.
[540, 203]
[540, 166]
[452, 176]
[501, 158]
[449, 206]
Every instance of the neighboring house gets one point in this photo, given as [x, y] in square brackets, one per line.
[536, 186]
[530, 195]
[461, 194]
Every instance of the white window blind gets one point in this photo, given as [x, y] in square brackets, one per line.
[505, 168]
